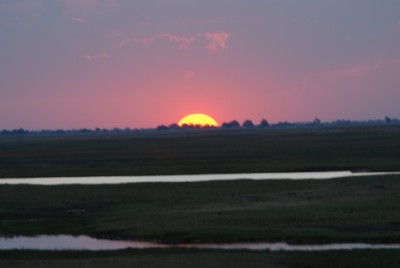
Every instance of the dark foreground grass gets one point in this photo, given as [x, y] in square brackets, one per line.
[203, 151]
[311, 211]
[200, 259]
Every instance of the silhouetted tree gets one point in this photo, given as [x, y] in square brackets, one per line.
[162, 127]
[84, 130]
[174, 126]
[264, 123]
[189, 126]
[341, 122]
[232, 124]
[20, 131]
[248, 124]
[316, 121]
[283, 124]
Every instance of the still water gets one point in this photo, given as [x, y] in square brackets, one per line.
[67, 242]
[190, 178]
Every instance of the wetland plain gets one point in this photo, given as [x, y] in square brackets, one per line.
[342, 210]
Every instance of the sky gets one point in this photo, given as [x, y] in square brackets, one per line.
[142, 63]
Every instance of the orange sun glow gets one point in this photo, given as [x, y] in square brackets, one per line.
[201, 120]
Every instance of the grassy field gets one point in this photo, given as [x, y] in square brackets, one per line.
[203, 151]
[311, 211]
[200, 259]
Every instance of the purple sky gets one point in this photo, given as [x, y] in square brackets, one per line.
[142, 63]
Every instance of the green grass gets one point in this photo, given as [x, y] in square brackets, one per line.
[203, 151]
[200, 259]
[311, 211]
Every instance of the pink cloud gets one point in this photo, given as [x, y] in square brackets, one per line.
[216, 40]
[90, 57]
[143, 41]
[184, 42]
[146, 41]
[359, 70]
[78, 20]
[122, 43]
[362, 69]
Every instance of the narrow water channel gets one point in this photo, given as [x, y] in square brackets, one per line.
[190, 178]
[68, 242]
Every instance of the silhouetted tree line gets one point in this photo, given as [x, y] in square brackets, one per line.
[248, 124]
[21, 131]
[234, 124]
[228, 125]
[184, 126]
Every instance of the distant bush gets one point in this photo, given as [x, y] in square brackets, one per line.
[248, 124]
[264, 123]
[232, 124]
[162, 127]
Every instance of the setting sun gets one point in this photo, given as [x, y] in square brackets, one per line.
[201, 120]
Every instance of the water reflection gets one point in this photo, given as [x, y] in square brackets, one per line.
[287, 247]
[190, 178]
[67, 242]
